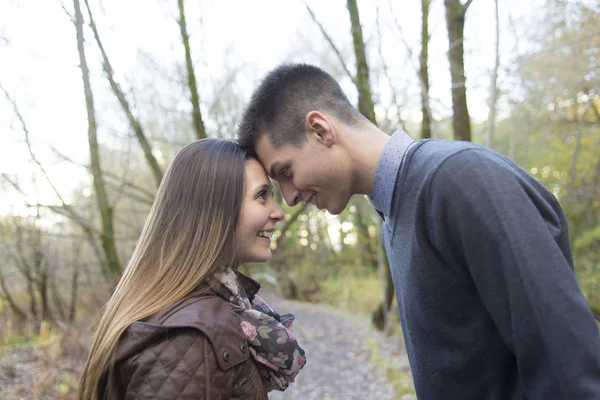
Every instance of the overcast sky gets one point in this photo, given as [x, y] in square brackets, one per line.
[39, 61]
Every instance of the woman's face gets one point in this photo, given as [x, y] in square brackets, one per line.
[258, 216]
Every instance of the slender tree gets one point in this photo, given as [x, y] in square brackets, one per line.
[195, 98]
[493, 83]
[118, 91]
[455, 21]
[365, 101]
[423, 70]
[367, 108]
[107, 234]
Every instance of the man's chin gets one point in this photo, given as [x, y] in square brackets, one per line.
[335, 209]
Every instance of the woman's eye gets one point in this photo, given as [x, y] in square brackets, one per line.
[262, 195]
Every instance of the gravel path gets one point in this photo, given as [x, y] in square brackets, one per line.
[346, 358]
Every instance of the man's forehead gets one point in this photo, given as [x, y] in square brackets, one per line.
[266, 152]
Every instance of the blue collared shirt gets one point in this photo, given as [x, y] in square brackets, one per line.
[388, 169]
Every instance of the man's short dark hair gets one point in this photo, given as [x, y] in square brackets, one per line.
[280, 103]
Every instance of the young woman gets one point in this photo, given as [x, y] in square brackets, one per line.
[182, 323]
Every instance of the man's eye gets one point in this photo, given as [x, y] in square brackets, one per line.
[285, 172]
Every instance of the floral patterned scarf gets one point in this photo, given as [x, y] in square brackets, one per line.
[272, 344]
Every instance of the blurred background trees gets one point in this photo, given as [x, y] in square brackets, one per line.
[72, 205]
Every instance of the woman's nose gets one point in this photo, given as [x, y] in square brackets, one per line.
[277, 212]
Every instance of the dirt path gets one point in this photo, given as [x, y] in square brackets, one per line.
[346, 358]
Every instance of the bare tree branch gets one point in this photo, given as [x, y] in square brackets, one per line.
[493, 84]
[230, 78]
[330, 41]
[134, 122]
[421, 81]
[28, 142]
[192, 86]
[147, 197]
[386, 72]
[11, 302]
[64, 209]
[558, 46]
[466, 6]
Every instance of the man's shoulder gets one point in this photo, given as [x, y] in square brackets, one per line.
[439, 150]
[435, 155]
[448, 161]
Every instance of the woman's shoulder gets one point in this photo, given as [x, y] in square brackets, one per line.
[195, 310]
[199, 316]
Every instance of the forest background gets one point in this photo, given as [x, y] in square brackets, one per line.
[97, 96]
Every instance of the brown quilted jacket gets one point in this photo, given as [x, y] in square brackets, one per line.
[194, 349]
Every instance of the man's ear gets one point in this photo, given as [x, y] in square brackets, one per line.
[320, 125]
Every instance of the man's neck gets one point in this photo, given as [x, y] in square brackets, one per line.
[366, 145]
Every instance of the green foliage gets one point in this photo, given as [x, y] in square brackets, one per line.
[587, 239]
[361, 293]
[397, 375]
[553, 129]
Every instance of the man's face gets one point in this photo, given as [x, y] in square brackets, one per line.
[313, 172]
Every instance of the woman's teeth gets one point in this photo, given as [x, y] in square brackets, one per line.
[266, 234]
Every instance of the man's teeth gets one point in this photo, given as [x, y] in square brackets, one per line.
[267, 234]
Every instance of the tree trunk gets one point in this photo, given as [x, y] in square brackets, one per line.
[59, 304]
[195, 98]
[26, 268]
[74, 290]
[107, 236]
[379, 316]
[43, 289]
[423, 71]
[493, 85]
[365, 101]
[16, 310]
[116, 88]
[572, 190]
[368, 255]
[455, 20]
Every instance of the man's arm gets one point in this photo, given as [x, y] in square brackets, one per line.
[502, 231]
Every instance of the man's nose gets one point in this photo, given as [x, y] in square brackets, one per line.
[290, 194]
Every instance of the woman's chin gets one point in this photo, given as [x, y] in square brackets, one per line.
[258, 257]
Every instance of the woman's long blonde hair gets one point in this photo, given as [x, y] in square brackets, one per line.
[188, 235]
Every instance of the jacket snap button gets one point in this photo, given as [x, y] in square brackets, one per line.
[243, 348]
[226, 356]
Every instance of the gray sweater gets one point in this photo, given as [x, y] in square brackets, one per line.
[487, 294]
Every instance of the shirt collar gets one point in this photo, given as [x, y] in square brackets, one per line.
[387, 170]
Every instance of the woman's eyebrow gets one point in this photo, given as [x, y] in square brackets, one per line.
[264, 186]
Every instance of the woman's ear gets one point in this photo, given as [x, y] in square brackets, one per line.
[320, 127]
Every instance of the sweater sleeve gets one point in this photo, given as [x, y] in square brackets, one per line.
[508, 236]
[182, 367]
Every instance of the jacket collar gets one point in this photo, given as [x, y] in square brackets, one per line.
[199, 310]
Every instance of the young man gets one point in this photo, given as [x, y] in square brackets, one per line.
[479, 250]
